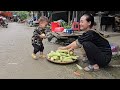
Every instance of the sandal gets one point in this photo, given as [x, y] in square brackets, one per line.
[90, 68]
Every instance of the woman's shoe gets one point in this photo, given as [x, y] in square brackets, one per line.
[90, 68]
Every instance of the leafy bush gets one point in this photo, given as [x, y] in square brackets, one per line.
[65, 25]
[22, 14]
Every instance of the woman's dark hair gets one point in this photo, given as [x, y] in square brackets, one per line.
[90, 18]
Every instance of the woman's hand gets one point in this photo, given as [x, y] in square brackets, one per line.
[62, 48]
[70, 47]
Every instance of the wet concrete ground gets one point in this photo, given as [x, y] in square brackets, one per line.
[16, 61]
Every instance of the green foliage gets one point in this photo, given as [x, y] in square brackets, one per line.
[22, 14]
[65, 25]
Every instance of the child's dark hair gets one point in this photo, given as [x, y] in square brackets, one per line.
[90, 18]
[43, 18]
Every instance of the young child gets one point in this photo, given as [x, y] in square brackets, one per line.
[38, 36]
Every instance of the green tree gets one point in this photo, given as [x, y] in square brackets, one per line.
[22, 14]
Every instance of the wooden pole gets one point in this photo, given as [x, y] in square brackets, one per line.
[73, 17]
[42, 13]
[68, 17]
[76, 16]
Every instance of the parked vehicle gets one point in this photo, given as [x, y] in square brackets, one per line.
[32, 22]
[3, 22]
[15, 18]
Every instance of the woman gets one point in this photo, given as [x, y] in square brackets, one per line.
[96, 47]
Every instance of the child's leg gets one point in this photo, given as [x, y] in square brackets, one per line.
[36, 49]
[42, 55]
[41, 51]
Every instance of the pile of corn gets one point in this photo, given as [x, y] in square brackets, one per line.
[62, 56]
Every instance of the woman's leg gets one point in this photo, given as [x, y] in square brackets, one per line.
[83, 55]
[94, 54]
